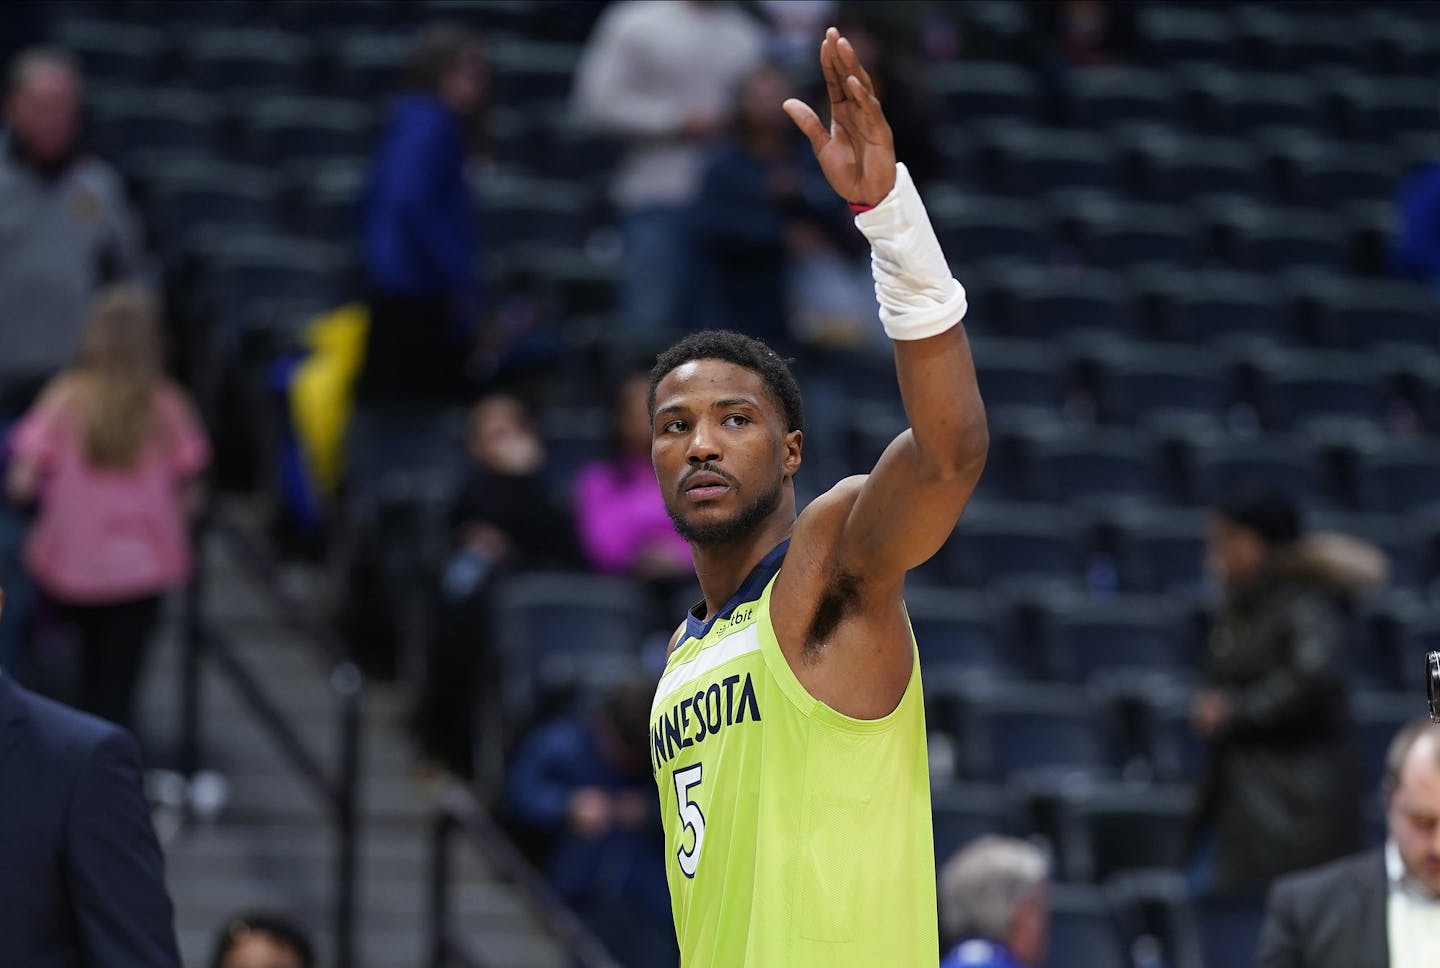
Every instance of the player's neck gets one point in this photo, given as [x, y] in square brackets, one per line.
[723, 567]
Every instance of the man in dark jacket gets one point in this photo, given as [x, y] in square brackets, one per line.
[1380, 908]
[82, 882]
[1281, 785]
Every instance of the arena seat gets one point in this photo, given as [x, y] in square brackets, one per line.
[984, 90]
[958, 631]
[1124, 633]
[964, 811]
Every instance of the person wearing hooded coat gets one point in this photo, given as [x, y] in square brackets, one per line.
[1282, 785]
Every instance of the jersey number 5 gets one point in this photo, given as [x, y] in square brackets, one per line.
[690, 815]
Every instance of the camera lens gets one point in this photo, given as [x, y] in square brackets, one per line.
[1432, 684]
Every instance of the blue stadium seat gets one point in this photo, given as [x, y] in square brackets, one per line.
[1269, 461]
[370, 61]
[1172, 34]
[1027, 162]
[1107, 829]
[1302, 386]
[1401, 477]
[129, 123]
[1020, 373]
[1274, 101]
[1084, 932]
[1221, 305]
[1100, 466]
[1166, 550]
[992, 227]
[1281, 239]
[985, 90]
[109, 52]
[1144, 235]
[194, 197]
[1054, 305]
[1032, 727]
[1170, 166]
[1229, 928]
[561, 631]
[1098, 97]
[958, 631]
[961, 812]
[1125, 633]
[308, 130]
[1138, 381]
[1367, 315]
[245, 62]
[1378, 717]
[995, 545]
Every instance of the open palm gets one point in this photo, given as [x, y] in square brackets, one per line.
[857, 153]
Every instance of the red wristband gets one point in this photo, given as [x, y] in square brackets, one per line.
[857, 209]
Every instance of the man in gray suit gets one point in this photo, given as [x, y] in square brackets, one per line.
[1381, 908]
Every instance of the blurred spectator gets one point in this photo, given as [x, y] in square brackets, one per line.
[583, 782]
[112, 455]
[657, 75]
[1280, 790]
[501, 521]
[1380, 907]
[65, 230]
[260, 939]
[620, 515]
[766, 218]
[994, 904]
[420, 218]
[82, 879]
[1084, 33]
[885, 44]
[1416, 249]
[795, 25]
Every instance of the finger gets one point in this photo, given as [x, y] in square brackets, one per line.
[830, 67]
[808, 122]
[868, 103]
[850, 63]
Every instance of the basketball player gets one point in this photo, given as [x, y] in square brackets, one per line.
[787, 735]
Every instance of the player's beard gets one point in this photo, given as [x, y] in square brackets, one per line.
[728, 529]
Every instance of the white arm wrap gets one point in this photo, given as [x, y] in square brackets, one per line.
[917, 294]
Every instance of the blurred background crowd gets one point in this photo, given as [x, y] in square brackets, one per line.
[383, 280]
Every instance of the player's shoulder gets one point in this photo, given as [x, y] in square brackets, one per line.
[834, 504]
[816, 535]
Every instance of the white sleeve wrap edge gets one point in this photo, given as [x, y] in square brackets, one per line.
[918, 296]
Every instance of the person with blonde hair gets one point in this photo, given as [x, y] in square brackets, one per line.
[111, 455]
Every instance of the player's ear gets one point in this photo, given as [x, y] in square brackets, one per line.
[794, 440]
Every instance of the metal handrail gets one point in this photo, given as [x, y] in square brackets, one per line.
[457, 811]
[337, 789]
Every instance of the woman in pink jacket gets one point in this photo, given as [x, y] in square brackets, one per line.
[111, 454]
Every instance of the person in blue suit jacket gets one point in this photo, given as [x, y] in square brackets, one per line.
[994, 904]
[82, 882]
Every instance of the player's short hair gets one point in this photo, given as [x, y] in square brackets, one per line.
[981, 885]
[1401, 745]
[277, 927]
[741, 350]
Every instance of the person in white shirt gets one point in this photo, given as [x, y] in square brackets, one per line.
[1380, 908]
[658, 76]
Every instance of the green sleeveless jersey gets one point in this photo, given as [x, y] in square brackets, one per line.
[795, 836]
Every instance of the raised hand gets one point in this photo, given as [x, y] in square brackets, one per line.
[857, 153]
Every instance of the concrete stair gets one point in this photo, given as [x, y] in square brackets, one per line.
[271, 845]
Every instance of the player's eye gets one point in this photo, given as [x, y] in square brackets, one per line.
[736, 420]
[673, 427]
